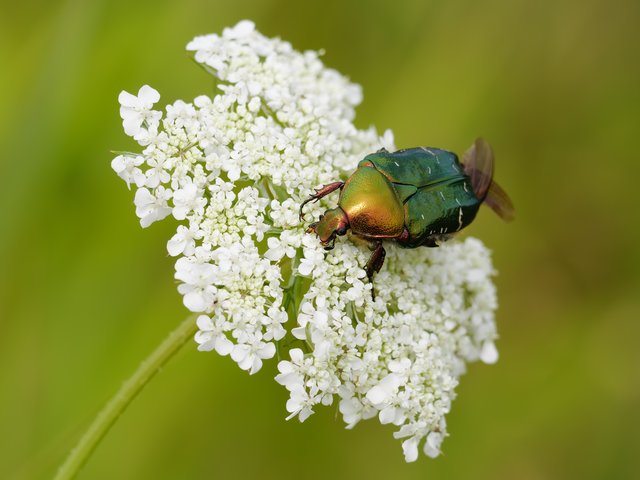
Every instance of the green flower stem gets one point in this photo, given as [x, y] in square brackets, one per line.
[129, 390]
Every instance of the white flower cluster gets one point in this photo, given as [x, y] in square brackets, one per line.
[233, 169]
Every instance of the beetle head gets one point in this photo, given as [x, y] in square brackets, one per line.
[333, 222]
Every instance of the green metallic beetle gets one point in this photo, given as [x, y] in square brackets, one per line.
[417, 197]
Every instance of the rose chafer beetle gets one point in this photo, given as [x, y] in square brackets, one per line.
[416, 197]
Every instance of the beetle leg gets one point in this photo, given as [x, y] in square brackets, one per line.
[376, 260]
[374, 264]
[437, 239]
[320, 192]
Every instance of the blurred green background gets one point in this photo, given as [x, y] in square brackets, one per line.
[85, 293]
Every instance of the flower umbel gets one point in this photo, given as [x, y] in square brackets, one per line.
[232, 168]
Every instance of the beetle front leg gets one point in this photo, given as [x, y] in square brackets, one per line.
[320, 192]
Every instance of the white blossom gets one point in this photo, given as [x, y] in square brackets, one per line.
[151, 207]
[198, 288]
[211, 335]
[489, 352]
[250, 355]
[136, 111]
[232, 170]
[287, 244]
[186, 200]
[291, 372]
[313, 256]
[184, 241]
[126, 166]
[300, 402]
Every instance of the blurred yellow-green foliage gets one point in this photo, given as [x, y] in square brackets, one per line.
[85, 293]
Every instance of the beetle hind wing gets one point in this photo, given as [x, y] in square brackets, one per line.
[478, 165]
[500, 202]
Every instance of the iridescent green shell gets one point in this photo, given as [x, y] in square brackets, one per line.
[372, 205]
[429, 185]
